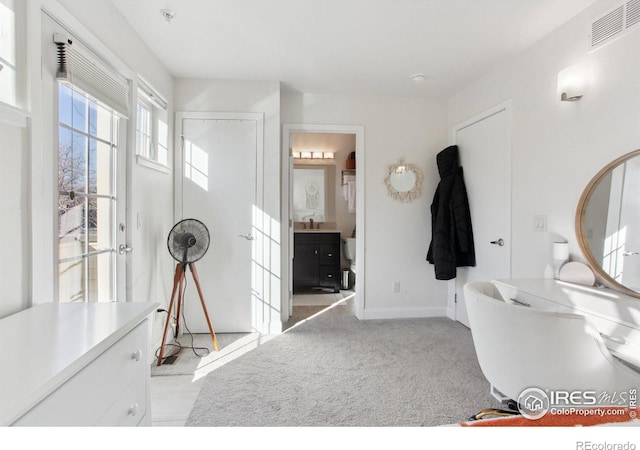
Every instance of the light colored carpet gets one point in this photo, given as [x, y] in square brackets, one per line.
[339, 371]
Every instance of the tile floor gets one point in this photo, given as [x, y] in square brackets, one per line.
[174, 388]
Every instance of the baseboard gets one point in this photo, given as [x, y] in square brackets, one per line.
[403, 313]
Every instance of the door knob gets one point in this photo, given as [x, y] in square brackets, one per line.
[499, 242]
[122, 249]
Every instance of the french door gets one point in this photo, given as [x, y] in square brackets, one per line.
[91, 209]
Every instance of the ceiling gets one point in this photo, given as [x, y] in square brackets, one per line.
[360, 47]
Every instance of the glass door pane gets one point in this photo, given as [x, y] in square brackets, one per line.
[87, 204]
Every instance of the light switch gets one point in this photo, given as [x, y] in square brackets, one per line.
[539, 223]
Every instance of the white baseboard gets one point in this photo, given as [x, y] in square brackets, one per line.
[403, 313]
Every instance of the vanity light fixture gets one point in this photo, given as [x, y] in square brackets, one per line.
[315, 154]
[573, 82]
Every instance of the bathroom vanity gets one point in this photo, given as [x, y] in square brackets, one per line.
[316, 260]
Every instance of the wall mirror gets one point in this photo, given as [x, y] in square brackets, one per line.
[404, 181]
[608, 224]
[313, 193]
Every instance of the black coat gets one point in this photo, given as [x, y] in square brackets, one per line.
[452, 235]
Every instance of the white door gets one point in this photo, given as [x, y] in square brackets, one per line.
[485, 149]
[92, 234]
[217, 186]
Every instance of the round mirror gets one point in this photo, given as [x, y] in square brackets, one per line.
[404, 181]
[608, 224]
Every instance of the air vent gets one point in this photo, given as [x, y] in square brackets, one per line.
[633, 13]
[607, 26]
[615, 23]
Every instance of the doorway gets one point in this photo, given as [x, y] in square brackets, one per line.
[485, 155]
[217, 183]
[323, 151]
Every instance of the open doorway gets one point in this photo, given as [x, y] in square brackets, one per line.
[325, 212]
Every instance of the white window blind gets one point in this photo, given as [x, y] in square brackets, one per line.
[151, 95]
[81, 67]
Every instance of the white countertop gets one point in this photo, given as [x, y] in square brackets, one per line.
[48, 343]
[315, 231]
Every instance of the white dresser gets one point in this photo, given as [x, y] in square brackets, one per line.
[85, 364]
[615, 315]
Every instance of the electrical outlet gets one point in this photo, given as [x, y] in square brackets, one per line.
[396, 287]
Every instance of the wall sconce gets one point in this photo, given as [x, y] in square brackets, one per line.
[573, 82]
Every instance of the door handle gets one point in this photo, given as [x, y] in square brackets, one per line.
[122, 249]
[247, 236]
[630, 253]
[499, 242]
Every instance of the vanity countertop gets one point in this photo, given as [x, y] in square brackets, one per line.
[315, 231]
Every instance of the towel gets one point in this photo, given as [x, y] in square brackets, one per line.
[351, 196]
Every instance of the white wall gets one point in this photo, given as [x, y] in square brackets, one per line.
[557, 147]
[397, 235]
[14, 229]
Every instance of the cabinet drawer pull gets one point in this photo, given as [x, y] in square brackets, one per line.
[518, 302]
[137, 355]
[133, 409]
[329, 254]
[329, 276]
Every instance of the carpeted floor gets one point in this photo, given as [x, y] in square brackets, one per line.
[339, 371]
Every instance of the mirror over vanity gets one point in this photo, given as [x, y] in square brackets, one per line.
[314, 193]
[608, 224]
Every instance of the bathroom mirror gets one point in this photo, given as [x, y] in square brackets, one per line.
[608, 224]
[404, 181]
[313, 193]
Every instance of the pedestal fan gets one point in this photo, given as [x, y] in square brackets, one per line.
[188, 241]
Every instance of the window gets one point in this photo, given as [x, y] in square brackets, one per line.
[8, 53]
[143, 131]
[152, 131]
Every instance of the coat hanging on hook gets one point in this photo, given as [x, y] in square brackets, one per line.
[452, 243]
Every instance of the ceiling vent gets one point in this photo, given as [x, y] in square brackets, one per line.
[615, 23]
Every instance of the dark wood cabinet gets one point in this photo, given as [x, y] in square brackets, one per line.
[316, 261]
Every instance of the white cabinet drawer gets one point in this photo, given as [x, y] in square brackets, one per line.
[130, 408]
[514, 296]
[86, 397]
[621, 340]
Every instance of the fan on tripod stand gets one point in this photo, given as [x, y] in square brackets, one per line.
[188, 241]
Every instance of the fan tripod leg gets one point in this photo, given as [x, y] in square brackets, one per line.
[196, 279]
[177, 281]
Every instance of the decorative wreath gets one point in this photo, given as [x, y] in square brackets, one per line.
[411, 194]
